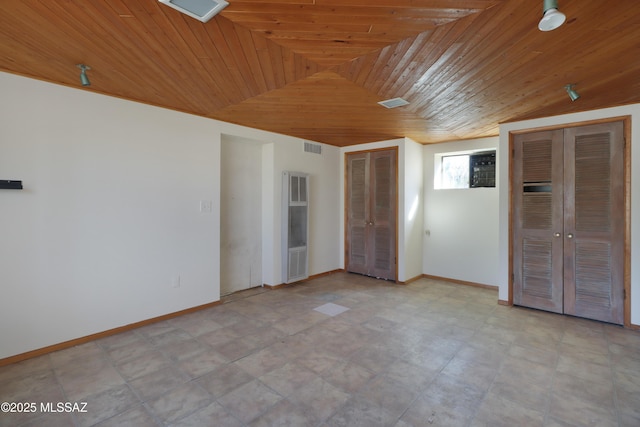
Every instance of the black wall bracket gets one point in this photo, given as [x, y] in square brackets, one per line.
[6, 184]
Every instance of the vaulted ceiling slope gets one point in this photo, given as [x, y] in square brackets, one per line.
[316, 69]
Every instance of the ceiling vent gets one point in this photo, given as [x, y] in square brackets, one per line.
[393, 103]
[310, 147]
[202, 10]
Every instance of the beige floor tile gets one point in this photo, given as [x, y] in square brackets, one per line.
[348, 376]
[263, 337]
[157, 383]
[137, 416]
[389, 394]
[412, 377]
[515, 372]
[599, 392]
[179, 403]
[446, 402]
[145, 364]
[285, 414]
[218, 337]
[250, 400]
[319, 361]
[49, 420]
[82, 378]
[235, 349]
[577, 412]
[212, 415]
[583, 402]
[623, 337]
[224, 380]
[119, 340]
[496, 411]
[29, 387]
[195, 323]
[246, 326]
[129, 351]
[261, 362]
[202, 363]
[183, 349]
[154, 329]
[24, 369]
[583, 368]
[360, 412]
[288, 378]
[374, 358]
[104, 405]
[79, 352]
[169, 336]
[477, 374]
[319, 398]
[426, 354]
[542, 356]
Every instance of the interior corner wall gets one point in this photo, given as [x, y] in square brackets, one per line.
[281, 153]
[108, 230]
[287, 154]
[461, 239]
[503, 177]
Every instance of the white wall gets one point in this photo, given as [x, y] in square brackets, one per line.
[411, 210]
[409, 183]
[462, 243]
[324, 175]
[109, 217]
[110, 214]
[240, 214]
[630, 110]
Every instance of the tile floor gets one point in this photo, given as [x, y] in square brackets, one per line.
[377, 354]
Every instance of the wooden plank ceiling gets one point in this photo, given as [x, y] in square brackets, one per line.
[316, 69]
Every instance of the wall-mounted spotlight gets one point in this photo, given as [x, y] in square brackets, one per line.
[83, 74]
[551, 17]
[572, 93]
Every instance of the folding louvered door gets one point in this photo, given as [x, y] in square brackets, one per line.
[568, 213]
[371, 213]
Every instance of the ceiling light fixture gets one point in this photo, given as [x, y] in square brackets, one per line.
[551, 17]
[83, 74]
[572, 93]
[202, 10]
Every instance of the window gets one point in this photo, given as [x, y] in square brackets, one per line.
[466, 170]
[455, 171]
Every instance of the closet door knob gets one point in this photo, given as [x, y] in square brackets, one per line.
[570, 236]
[556, 234]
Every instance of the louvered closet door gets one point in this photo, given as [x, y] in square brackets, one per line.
[538, 215]
[371, 213]
[568, 231]
[382, 248]
[357, 212]
[594, 222]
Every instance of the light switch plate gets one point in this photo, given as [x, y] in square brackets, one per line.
[206, 206]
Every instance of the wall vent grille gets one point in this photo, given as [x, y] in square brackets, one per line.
[310, 147]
